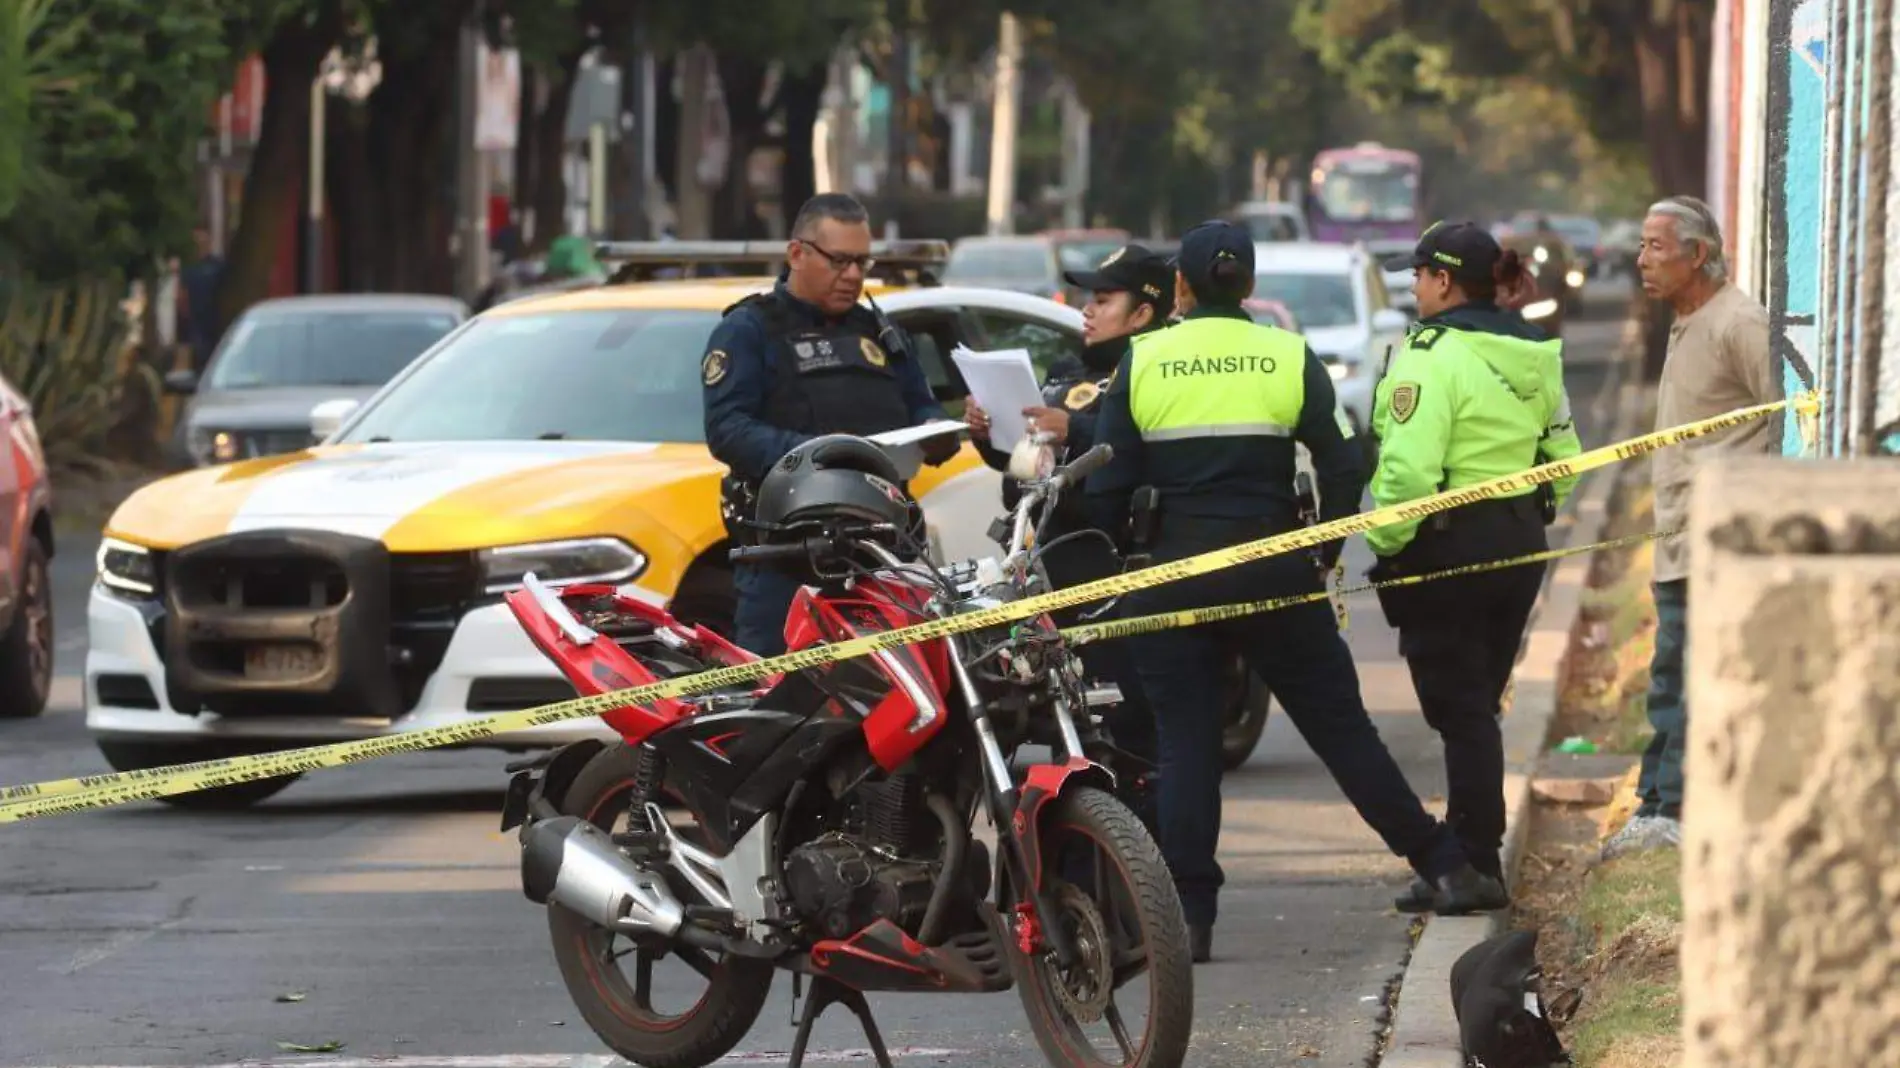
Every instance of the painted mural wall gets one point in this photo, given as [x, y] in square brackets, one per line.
[1796, 157]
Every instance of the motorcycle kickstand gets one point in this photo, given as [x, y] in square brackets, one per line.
[826, 992]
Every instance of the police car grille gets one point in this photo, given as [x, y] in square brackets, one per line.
[428, 595]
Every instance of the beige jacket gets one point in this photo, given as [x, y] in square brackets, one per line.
[1718, 361]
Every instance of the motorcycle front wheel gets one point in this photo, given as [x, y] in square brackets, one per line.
[702, 1005]
[1108, 887]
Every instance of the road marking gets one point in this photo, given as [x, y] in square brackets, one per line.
[554, 1060]
[121, 942]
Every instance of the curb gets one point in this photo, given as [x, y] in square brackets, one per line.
[1424, 1026]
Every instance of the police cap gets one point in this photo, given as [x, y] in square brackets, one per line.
[1131, 269]
[1216, 258]
[1468, 253]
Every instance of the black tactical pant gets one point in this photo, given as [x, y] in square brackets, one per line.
[1301, 656]
[1460, 637]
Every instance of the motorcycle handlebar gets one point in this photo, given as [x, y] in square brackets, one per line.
[1078, 470]
[793, 552]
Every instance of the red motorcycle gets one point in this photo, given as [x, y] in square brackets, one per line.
[824, 822]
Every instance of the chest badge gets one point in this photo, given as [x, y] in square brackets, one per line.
[804, 350]
[712, 369]
[1081, 396]
[873, 353]
[1404, 400]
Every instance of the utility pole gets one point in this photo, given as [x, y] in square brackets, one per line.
[471, 171]
[1009, 50]
[695, 201]
[313, 218]
[1075, 158]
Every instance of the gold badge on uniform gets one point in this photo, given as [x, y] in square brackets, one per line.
[1404, 400]
[1081, 396]
[713, 368]
[873, 353]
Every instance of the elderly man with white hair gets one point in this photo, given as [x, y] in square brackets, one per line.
[1717, 361]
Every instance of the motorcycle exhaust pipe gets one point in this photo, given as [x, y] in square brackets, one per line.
[569, 862]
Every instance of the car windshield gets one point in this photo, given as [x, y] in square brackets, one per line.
[1272, 226]
[1012, 263]
[1316, 300]
[1584, 233]
[613, 375]
[1085, 255]
[1369, 192]
[330, 348]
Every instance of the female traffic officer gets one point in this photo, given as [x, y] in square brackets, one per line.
[1475, 394]
[1131, 293]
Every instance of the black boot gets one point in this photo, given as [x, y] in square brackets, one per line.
[1418, 897]
[1466, 891]
[1201, 942]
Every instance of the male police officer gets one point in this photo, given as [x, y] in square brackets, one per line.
[1208, 412]
[1131, 294]
[804, 360]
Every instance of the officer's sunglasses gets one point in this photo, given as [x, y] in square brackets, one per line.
[838, 260]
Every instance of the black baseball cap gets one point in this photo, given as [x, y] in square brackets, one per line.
[1130, 269]
[1468, 252]
[1213, 242]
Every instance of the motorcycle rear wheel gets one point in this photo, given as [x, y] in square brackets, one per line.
[620, 1012]
[1127, 871]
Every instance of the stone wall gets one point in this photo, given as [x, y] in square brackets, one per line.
[1791, 887]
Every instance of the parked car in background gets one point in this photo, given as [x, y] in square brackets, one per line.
[1272, 220]
[26, 550]
[283, 357]
[1337, 295]
[1271, 313]
[1024, 264]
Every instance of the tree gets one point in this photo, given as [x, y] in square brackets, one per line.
[292, 38]
[103, 103]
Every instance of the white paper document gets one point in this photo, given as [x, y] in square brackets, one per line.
[912, 434]
[1002, 383]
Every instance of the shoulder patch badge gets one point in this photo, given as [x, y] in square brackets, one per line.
[1404, 400]
[712, 369]
[1427, 337]
[873, 352]
[1081, 396]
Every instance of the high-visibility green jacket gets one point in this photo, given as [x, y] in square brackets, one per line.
[1475, 394]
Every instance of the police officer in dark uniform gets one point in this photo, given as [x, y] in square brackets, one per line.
[1131, 293]
[1209, 412]
[803, 360]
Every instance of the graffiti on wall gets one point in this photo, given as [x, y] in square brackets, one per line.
[1797, 165]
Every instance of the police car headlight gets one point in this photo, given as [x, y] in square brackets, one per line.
[580, 560]
[1541, 309]
[127, 567]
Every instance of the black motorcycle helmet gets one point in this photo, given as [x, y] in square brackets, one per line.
[831, 482]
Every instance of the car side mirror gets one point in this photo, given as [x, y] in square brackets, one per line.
[1389, 321]
[181, 382]
[325, 418]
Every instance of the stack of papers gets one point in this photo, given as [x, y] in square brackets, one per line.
[1002, 383]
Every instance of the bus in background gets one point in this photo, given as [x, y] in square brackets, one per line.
[1368, 193]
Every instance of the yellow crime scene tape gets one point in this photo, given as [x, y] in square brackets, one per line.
[1194, 617]
[61, 797]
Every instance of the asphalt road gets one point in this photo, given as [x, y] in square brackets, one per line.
[384, 897]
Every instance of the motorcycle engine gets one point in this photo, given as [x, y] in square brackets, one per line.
[843, 885]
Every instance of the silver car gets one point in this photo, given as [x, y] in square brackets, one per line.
[284, 357]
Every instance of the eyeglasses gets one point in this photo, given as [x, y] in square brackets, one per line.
[840, 261]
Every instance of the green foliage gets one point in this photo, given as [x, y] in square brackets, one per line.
[65, 348]
[111, 162]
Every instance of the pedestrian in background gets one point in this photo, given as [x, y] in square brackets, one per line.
[198, 286]
[1717, 361]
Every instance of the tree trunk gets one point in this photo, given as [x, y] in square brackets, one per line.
[1673, 76]
[352, 182]
[742, 81]
[274, 183]
[412, 115]
[527, 180]
[801, 95]
[666, 125]
[550, 152]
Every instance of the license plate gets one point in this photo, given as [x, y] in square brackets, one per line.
[280, 662]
